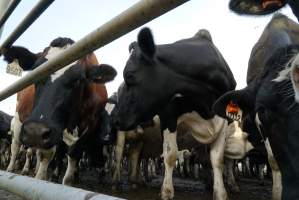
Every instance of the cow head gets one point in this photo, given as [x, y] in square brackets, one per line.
[145, 88]
[256, 7]
[44, 127]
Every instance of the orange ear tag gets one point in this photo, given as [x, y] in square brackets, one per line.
[268, 4]
[233, 111]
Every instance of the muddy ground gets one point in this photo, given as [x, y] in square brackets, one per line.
[185, 189]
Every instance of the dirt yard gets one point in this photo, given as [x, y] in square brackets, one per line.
[251, 189]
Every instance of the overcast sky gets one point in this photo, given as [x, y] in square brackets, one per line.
[233, 35]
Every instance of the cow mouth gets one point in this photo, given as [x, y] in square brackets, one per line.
[272, 4]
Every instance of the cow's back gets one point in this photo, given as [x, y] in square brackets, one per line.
[200, 60]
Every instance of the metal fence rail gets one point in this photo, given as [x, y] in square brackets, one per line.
[39, 8]
[135, 16]
[34, 189]
[8, 11]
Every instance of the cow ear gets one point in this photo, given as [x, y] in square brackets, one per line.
[234, 102]
[26, 58]
[132, 46]
[250, 7]
[101, 73]
[146, 43]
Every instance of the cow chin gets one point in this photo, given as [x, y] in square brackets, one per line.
[38, 135]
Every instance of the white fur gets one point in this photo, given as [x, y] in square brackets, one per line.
[204, 131]
[276, 174]
[109, 107]
[46, 157]
[287, 73]
[237, 144]
[52, 52]
[16, 144]
[70, 171]
[170, 155]
[69, 139]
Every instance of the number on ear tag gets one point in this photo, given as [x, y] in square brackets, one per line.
[14, 68]
[233, 111]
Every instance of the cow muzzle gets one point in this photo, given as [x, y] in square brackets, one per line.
[36, 134]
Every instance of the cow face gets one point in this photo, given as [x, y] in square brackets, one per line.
[145, 86]
[44, 127]
[256, 7]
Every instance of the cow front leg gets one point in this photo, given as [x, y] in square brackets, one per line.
[170, 155]
[135, 150]
[45, 158]
[119, 149]
[276, 175]
[26, 167]
[15, 145]
[216, 154]
[231, 181]
[69, 176]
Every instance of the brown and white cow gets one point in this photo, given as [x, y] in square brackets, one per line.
[24, 107]
[69, 100]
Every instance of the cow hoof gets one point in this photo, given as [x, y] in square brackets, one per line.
[25, 172]
[9, 169]
[67, 181]
[235, 189]
[114, 187]
[167, 193]
[218, 196]
[134, 186]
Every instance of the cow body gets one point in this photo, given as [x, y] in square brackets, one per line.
[180, 88]
[269, 101]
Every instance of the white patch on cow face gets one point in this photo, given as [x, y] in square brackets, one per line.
[109, 107]
[54, 51]
[41, 116]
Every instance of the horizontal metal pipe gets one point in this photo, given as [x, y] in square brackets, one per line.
[11, 7]
[34, 189]
[135, 16]
[38, 9]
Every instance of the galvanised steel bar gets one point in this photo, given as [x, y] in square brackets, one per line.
[34, 189]
[137, 15]
[11, 7]
[38, 9]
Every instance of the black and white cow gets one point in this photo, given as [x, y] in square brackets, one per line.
[68, 101]
[268, 100]
[179, 82]
[262, 7]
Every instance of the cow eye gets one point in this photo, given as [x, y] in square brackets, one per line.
[130, 79]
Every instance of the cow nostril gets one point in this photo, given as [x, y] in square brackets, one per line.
[46, 133]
